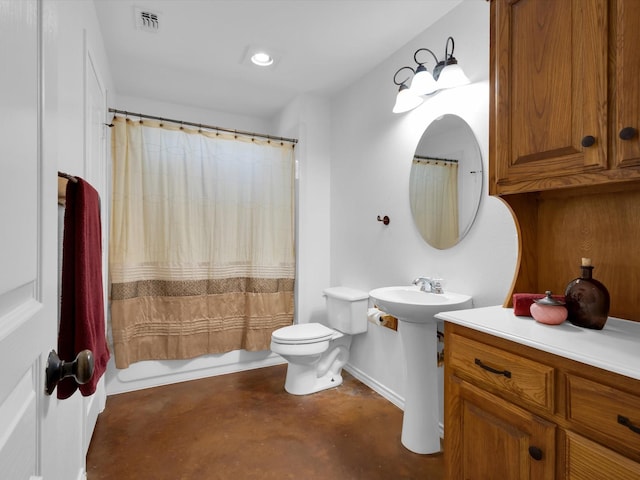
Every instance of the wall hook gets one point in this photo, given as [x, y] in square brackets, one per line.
[384, 220]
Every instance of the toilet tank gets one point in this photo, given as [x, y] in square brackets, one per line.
[347, 309]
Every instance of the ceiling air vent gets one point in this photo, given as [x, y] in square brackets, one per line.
[146, 20]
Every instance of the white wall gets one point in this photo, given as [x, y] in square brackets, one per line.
[74, 25]
[307, 118]
[371, 157]
[79, 33]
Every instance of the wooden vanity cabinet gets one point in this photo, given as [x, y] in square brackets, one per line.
[514, 412]
[564, 77]
[491, 438]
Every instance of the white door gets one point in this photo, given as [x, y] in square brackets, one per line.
[31, 443]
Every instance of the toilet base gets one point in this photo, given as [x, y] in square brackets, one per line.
[302, 380]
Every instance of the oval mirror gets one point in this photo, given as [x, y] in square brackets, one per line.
[446, 181]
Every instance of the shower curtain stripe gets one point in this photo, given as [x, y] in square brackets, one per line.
[163, 288]
[201, 251]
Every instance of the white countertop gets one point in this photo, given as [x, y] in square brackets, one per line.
[615, 348]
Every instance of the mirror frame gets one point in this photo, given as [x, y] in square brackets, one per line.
[443, 130]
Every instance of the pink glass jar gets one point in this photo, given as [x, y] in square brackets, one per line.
[548, 310]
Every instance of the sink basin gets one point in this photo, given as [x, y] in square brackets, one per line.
[417, 328]
[412, 305]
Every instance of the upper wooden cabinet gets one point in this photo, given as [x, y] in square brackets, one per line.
[626, 87]
[564, 148]
[564, 78]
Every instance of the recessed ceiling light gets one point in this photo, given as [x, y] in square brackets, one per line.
[262, 59]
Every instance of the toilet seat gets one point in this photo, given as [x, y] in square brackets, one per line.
[302, 333]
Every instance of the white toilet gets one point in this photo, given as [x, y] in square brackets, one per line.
[317, 353]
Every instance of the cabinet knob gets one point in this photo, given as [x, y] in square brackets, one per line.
[588, 141]
[627, 133]
[535, 453]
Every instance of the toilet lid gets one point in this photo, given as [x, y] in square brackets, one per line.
[303, 333]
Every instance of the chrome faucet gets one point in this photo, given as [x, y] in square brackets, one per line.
[427, 284]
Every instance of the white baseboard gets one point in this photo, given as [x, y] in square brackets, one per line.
[376, 386]
[383, 391]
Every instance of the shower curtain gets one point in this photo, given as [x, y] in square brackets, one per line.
[201, 251]
[435, 200]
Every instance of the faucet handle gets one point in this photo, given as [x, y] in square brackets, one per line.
[436, 286]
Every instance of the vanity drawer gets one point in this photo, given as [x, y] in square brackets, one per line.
[606, 412]
[518, 378]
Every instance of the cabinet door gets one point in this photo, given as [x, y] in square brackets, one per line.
[549, 92]
[627, 86]
[487, 438]
[587, 460]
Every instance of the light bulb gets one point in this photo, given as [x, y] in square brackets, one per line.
[406, 100]
[452, 76]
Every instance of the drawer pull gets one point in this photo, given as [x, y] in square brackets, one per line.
[627, 423]
[535, 453]
[506, 373]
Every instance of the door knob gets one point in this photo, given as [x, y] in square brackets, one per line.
[81, 369]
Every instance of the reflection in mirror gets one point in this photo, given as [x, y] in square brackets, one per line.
[446, 182]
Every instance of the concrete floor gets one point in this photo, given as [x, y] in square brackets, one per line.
[245, 426]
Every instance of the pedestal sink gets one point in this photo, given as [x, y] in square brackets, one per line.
[415, 311]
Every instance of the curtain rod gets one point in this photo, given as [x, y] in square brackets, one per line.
[208, 127]
[420, 157]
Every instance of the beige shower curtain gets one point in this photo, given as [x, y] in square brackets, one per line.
[434, 202]
[202, 241]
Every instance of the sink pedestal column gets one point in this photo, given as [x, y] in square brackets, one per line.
[420, 424]
[416, 312]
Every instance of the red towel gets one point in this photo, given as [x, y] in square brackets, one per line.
[82, 306]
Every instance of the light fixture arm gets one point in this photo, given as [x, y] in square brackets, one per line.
[448, 55]
[415, 55]
[449, 59]
[403, 82]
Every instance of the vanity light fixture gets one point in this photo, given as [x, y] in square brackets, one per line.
[446, 74]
